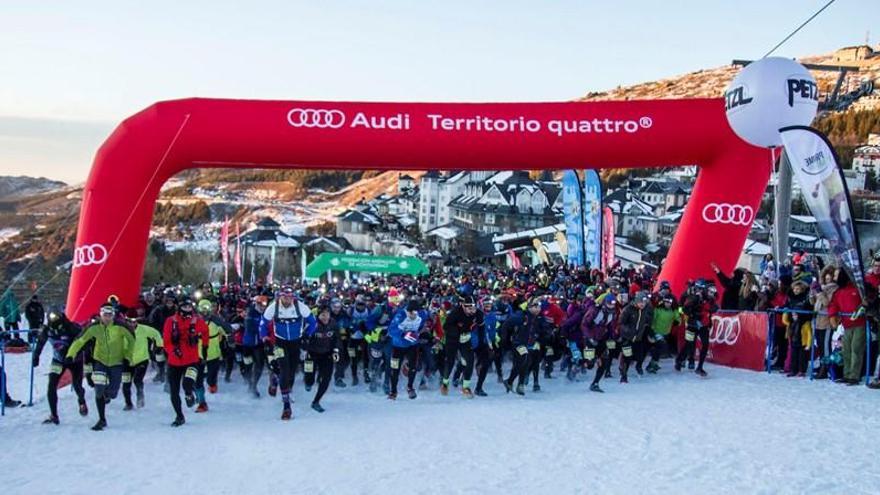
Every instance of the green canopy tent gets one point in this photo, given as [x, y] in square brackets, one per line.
[405, 265]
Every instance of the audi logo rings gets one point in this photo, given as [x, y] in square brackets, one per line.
[728, 214]
[312, 118]
[89, 254]
[725, 330]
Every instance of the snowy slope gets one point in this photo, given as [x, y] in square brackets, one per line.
[735, 432]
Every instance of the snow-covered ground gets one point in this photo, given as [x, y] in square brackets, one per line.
[734, 432]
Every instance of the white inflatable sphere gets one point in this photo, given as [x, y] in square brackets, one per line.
[767, 95]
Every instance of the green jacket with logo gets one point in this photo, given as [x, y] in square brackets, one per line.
[112, 343]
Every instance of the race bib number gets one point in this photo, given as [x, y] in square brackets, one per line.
[395, 363]
[351, 351]
[248, 360]
[309, 366]
[99, 378]
[376, 353]
[611, 345]
[160, 358]
[192, 373]
[550, 351]
[464, 338]
[590, 354]
[126, 378]
[87, 368]
[56, 369]
[537, 346]
[522, 350]
[627, 351]
[278, 353]
[689, 335]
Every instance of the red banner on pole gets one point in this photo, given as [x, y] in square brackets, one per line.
[224, 249]
[238, 253]
[739, 340]
[607, 239]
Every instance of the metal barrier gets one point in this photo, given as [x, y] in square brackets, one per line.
[4, 334]
[813, 343]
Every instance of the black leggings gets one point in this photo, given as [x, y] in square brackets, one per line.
[343, 360]
[536, 356]
[134, 374]
[453, 349]
[253, 360]
[484, 362]
[605, 358]
[520, 366]
[322, 365]
[213, 371]
[288, 364]
[687, 352]
[181, 375]
[76, 373]
[410, 354]
[357, 351]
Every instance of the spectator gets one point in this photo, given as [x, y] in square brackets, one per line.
[821, 300]
[872, 278]
[748, 293]
[731, 285]
[34, 313]
[847, 300]
[9, 311]
[799, 330]
[767, 262]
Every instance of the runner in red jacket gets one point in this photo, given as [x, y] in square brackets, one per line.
[184, 332]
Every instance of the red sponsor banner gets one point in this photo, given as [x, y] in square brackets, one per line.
[739, 340]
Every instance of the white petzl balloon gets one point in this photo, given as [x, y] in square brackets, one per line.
[770, 94]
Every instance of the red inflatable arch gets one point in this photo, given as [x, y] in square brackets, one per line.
[168, 137]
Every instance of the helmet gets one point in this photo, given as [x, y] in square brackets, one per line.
[205, 306]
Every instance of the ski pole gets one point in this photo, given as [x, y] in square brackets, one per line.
[2, 375]
[31, 392]
[867, 351]
[812, 348]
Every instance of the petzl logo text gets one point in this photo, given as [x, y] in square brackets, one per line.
[803, 89]
[312, 118]
[736, 97]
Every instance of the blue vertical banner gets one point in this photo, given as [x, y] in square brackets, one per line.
[592, 211]
[573, 217]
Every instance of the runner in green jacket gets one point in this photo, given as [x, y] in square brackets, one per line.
[145, 339]
[112, 344]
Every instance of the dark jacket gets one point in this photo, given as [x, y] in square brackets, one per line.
[634, 321]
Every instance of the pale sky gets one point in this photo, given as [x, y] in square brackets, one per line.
[69, 71]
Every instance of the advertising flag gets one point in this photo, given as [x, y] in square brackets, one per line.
[592, 211]
[607, 239]
[224, 249]
[270, 278]
[573, 217]
[823, 187]
[237, 259]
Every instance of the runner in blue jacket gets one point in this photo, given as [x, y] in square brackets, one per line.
[404, 330]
